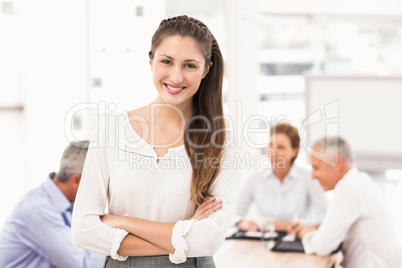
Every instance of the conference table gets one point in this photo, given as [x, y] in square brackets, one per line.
[252, 254]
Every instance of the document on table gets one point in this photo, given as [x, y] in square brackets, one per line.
[288, 246]
[249, 235]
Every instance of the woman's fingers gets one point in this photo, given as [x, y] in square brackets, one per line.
[217, 206]
[248, 226]
[207, 208]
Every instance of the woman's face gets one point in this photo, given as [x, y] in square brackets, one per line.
[280, 151]
[178, 67]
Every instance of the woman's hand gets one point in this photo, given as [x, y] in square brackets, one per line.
[206, 209]
[293, 228]
[248, 226]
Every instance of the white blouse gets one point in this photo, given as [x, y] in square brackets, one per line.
[298, 194]
[123, 172]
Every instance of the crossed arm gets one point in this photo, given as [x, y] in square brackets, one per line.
[150, 238]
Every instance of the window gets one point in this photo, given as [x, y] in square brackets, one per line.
[97, 82]
[139, 11]
[7, 8]
[285, 68]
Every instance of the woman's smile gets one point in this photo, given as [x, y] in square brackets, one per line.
[173, 89]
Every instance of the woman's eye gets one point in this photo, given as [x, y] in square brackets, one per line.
[191, 66]
[166, 62]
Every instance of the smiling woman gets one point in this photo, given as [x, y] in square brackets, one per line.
[178, 68]
[171, 213]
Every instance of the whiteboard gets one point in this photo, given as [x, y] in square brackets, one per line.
[365, 110]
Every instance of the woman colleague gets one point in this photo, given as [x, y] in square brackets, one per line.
[285, 192]
[160, 168]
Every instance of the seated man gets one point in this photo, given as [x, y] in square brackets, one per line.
[358, 215]
[37, 233]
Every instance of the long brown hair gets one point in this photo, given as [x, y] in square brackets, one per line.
[204, 148]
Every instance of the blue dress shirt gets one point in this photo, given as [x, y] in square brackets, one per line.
[37, 233]
[298, 194]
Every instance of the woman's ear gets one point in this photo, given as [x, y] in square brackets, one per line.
[295, 151]
[151, 63]
[150, 59]
[207, 70]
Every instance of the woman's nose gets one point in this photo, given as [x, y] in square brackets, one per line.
[176, 75]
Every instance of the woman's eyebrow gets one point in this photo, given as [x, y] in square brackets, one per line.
[192, 60]
[165, 56]
[169, 57]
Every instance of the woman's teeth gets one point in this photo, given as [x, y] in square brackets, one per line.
[174, 88]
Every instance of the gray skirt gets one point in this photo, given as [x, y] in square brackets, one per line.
[159, 261]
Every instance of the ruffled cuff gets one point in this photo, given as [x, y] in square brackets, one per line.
[180, 229]
[118, 237]
[306, 241]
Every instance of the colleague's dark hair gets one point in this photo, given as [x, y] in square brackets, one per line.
[207, 103]
[291, 132]
[72, 161]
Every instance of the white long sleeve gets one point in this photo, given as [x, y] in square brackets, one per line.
[88, 231]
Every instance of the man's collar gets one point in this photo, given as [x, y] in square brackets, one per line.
[351, 173]
[59, 200]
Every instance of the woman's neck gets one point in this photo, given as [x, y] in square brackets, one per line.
[281, 173]
[163, 112]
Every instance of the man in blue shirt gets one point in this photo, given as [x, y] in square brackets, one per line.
[37, 234]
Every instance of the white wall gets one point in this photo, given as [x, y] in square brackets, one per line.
[365, 110]
[242, 69]
[56, 77]
[119, 46]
